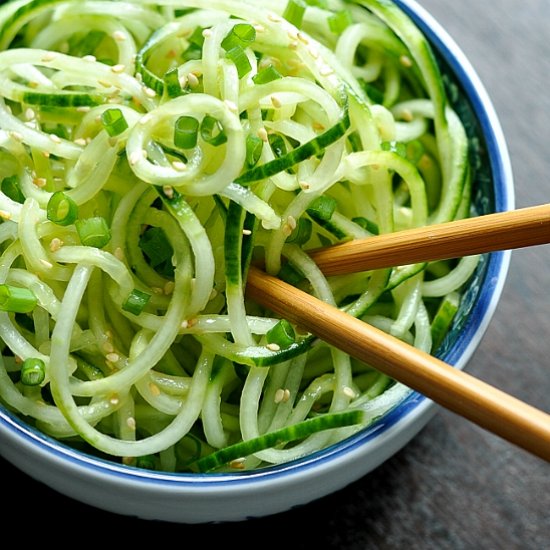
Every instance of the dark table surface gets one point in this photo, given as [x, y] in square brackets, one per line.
[455, 486]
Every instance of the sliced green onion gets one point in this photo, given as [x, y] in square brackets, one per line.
[136, 301]
[294, 12]
[322, 208]
[340, 21]
[61, 209]
[155, 245]
[254, 146]
[282, 334]
[114, 122]
[93, 231]
[16, 299]
[241, 34]
[186, 132]
[266, 75]
[172, 84]
[10, 188]
[33, 371]
[212, 131]
[301, 233]
[239, 57]
[367, 224]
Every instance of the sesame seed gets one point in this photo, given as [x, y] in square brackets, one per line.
[112, 357]
[193, 80]
[108, 347]
[119, 36]
[48, 56]
[259, 28]
[179, 166]
[273, 347]
[406, 61]
[46, 154]
[104, 83]
[274, 18]
[262, 134]
[168, 190]
[237, 464]
[40, 182]
[291, 221]
[303, 38]
[407, 115]
[131, 422]
[287, 395]
[120, 68]
[207, 33]
[55, 244]
[276, 102]
[114, 400]
[292, 34]
[149, 92]
[135, 157]
[183, 81]
[349, 392]
[80, 141]
[279, 395]
[83, 109]
[184, 325]
[287, 230]
[169, 288]
[119, 253]
[91, 58]
[293, 45]
[314, 52]
[154, 389]
[326, 70]
[247, 232]
[305, 185]
[30, 114]
[46, 264]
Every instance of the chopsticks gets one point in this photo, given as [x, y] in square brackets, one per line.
[501, 231]
[488, 407]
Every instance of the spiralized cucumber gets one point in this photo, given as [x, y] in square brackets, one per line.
[150, 151]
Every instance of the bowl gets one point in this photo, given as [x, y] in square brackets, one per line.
[236, 496]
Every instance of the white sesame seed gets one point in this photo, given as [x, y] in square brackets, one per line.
[119, 253]
[293, 44]
[237, 464]
[247, 232]
[46, 154]
[46, 264]
[291, 221]
[314, 52]
[279, 395]
[80, 141]
[168, 190]
[207, 33]
[131, 422]
[305, 185]
[262, 134]
[30, 114]
[154, 389]
[119, 36]
[287, 230]
[259, 28]
[135, 157]
[193, 80]
[83, 109]
[48, 56]
[104, 83]
[230, 105]
[286, 396]
[108, 347]
[273, 347]
[169, 288]
[149, 92]
[40, 182]
[407, 115]
[179, 166]
[120, 68]
[114, 400]
[326, 70]
[183, 81]
[406, 61]
[276, 102]
[349, 392]
[112, 357]
[303, 38]
[91, 58]
[184, 325]
[274, 18]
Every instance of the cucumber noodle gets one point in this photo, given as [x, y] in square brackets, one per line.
[247, 132]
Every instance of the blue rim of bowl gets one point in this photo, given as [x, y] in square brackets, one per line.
[401, 416]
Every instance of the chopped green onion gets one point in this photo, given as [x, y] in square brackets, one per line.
[172, 84]
[254, 146]
[302, 232]
[266, 75]
[93, 231]
[10, 188]
[16, 299]
[322, 208]
[33, 371]
[340, 21]
[281, 334]
[241, 34]
[367, 224]
[61, 209]
[212, 132]
[136, 301]
[114, 122]
[155, 245]
[239, 57]
[294, 12]
[186, 132]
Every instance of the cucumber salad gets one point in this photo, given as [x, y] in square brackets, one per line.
[150, 152]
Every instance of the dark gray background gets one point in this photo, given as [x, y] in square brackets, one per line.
[455, 486]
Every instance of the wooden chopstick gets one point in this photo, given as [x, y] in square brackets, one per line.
[501, 231]
[485, 405]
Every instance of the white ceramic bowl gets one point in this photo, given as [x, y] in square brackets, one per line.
[230, 497]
